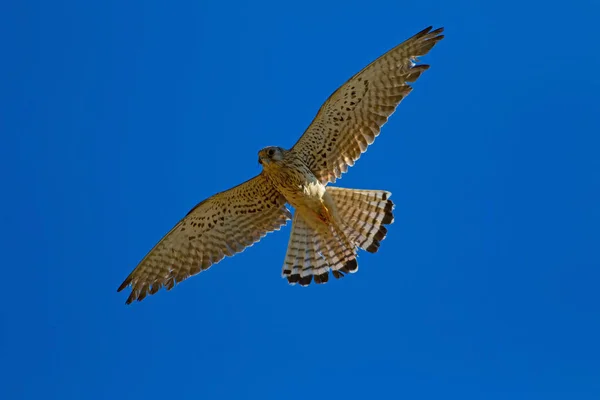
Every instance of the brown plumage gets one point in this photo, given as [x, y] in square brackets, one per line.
[330, 224]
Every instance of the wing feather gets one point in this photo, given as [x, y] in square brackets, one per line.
[222, 225]
[352, 117]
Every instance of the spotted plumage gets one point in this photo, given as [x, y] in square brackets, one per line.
[330, 224]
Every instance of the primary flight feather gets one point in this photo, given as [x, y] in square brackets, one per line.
[330, 223]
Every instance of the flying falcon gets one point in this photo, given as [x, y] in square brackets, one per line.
[330, 223]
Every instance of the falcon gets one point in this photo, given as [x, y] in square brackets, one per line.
[330, 223]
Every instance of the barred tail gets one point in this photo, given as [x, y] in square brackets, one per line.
[311, 254]
[363, 214]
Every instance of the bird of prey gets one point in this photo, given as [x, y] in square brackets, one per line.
[330, 223]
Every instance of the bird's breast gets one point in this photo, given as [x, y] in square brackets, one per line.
[296, 182]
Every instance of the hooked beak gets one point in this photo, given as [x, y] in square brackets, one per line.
[259, 161]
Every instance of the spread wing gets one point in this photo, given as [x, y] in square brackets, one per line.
[353, 115]
[222, 225]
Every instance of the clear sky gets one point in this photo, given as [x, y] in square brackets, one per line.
[118, 117]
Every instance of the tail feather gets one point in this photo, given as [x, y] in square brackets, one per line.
[362, 214]
[321, 267]
[303, 259]
[315, 265]
[294, 258]
[342, 255]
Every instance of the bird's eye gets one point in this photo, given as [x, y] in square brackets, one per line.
[271, 152]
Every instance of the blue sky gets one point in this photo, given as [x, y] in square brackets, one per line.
[118, 117]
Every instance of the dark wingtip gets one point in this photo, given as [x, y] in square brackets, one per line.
[155, 288]
[435, 32]
[130, 299]
[125, 283]
[430, 34]
[430, 37]
[425, 31]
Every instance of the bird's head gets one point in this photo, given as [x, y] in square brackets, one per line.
[270, 154]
